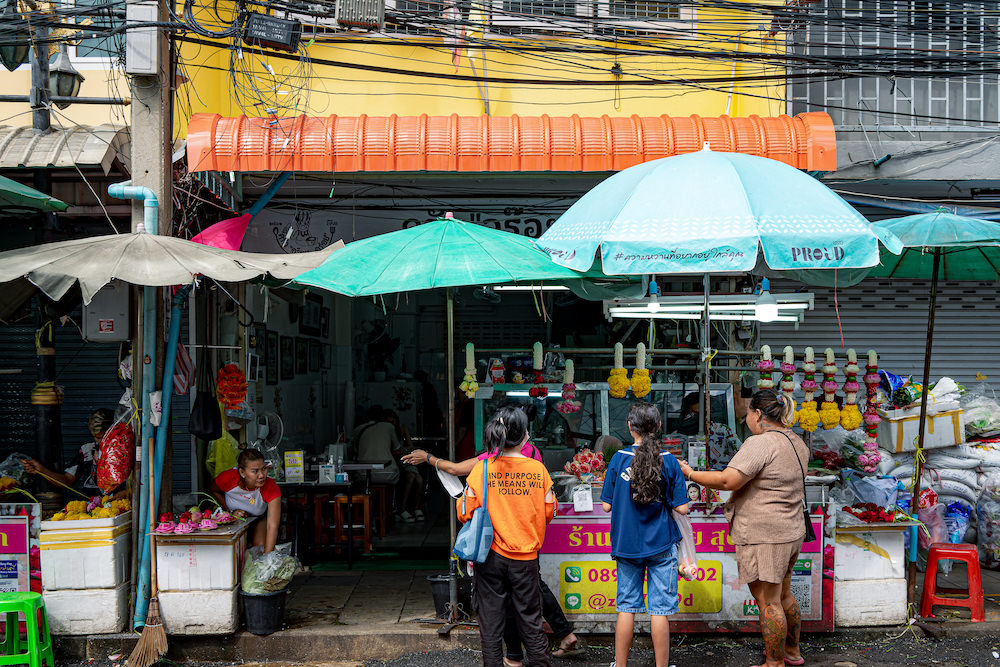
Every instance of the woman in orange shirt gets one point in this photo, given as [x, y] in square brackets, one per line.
[520, 503]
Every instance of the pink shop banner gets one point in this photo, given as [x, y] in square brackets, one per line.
[595, 538]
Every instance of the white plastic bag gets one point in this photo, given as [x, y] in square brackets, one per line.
[268, 572]
[687, 559]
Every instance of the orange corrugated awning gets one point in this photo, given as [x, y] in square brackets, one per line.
[496, 143]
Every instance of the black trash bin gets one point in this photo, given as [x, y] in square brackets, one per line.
[264, 613]
[439, 590]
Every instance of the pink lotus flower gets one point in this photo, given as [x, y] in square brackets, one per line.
[765, 366]
[787, 368]
[829, 386]
[584, 468]
[872, 418]
[809, 385]
[872, 378]
[852, 387]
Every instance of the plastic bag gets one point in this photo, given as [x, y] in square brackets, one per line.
[988, 522]
[982, 411]
[934, 529]
[956, 519]
[268, 573]
[222, 454]
[687, 559]
[117, 449]
[13, 468]
[867, 489]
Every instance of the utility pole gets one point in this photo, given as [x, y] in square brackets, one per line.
[39, 96]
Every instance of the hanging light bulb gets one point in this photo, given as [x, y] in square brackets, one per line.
[766, 309]
[15, 52]
[64, 80]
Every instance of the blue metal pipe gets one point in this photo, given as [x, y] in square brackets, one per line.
[150, 222]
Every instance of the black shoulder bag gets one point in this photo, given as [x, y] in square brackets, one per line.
[810, 533]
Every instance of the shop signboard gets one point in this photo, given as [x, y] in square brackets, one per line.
[14, 554]
[576, 563]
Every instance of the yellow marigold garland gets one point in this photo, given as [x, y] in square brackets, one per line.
[618, 383]
[641, 383]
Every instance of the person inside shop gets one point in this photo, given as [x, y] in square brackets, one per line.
[378, 442]
[722, 439]
[508, 581]
[411, 484]
[248, 488]
[765, 518]
[81, 473]
[643, 486]
[568, 644]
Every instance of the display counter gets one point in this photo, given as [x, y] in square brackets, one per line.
[198, 575]
[575, 562]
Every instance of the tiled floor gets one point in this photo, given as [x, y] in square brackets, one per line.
[360, 598]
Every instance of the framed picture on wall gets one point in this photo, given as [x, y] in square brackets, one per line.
[324, 323]
[271, 357]
[301, 356]
[309, 324]
[314, 353]
[326, 357]
[287, 357]
[253, 367]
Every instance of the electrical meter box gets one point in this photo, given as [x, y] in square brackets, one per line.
[106, 319]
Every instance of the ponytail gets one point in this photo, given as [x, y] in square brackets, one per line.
[507, 429]
[647, 466]
[777, 407]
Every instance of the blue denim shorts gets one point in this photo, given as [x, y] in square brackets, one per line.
[660, 573]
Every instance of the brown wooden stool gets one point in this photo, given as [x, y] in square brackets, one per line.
[382, 510]
[360, 502]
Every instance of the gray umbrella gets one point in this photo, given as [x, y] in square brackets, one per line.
[144, 259]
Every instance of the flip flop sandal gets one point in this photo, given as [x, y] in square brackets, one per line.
[575, 651]
[508, 663]
[793, 663]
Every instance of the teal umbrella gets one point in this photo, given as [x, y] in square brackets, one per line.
[938, 245]
[708, 212]
[445, 253]
[14, 195]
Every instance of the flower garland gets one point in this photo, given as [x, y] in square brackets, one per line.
[788, 377]
[618, 383]
[586, 465]
[569, 403]
[829, 413]
[766, 367]
[232, 386]
[850, 416]
[872, 513]
[469, 384]
[641, 383]
[808, 415]
[870, 459]
[539, 390]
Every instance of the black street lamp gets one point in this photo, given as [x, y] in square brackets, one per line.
[64, 80]
[15, 52]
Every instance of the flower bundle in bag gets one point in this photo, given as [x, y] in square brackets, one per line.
[117, 446]
[476, 537]
[687, 559]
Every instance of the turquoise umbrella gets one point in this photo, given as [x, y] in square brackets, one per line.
[443, 253]
[938, 245]
[708, 212]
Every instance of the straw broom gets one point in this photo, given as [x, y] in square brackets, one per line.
[153, 640]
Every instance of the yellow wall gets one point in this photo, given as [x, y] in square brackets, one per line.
[323, 89]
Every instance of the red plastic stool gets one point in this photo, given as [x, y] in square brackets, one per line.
[932, 595]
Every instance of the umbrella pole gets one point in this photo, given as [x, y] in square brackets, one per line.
[450, 382]
[706, 405]
[919, 454]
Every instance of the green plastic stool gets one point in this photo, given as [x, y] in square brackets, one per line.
[39, 643]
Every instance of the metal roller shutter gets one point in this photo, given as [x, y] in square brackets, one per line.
[891, 317]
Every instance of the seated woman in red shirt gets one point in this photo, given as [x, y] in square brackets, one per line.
[248, 488]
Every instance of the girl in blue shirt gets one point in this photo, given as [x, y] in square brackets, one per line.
[641, 486]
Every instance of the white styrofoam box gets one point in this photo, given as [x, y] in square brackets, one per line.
[96, 611]
[869, 602]
[899, 434]
[870, 555]
[120, 520]
[200, 612]
[198, 567]
[86, 564]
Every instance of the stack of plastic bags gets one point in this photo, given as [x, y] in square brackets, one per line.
[988, 519]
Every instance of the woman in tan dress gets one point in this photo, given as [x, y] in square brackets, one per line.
[765, 518]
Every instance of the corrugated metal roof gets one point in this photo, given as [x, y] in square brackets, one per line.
[496, 143]
[79, 145]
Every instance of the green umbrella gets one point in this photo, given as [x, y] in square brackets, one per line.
[938, 245]
[444, 253]
[14, 195]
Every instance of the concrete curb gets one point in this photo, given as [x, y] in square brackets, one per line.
[388, 642]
